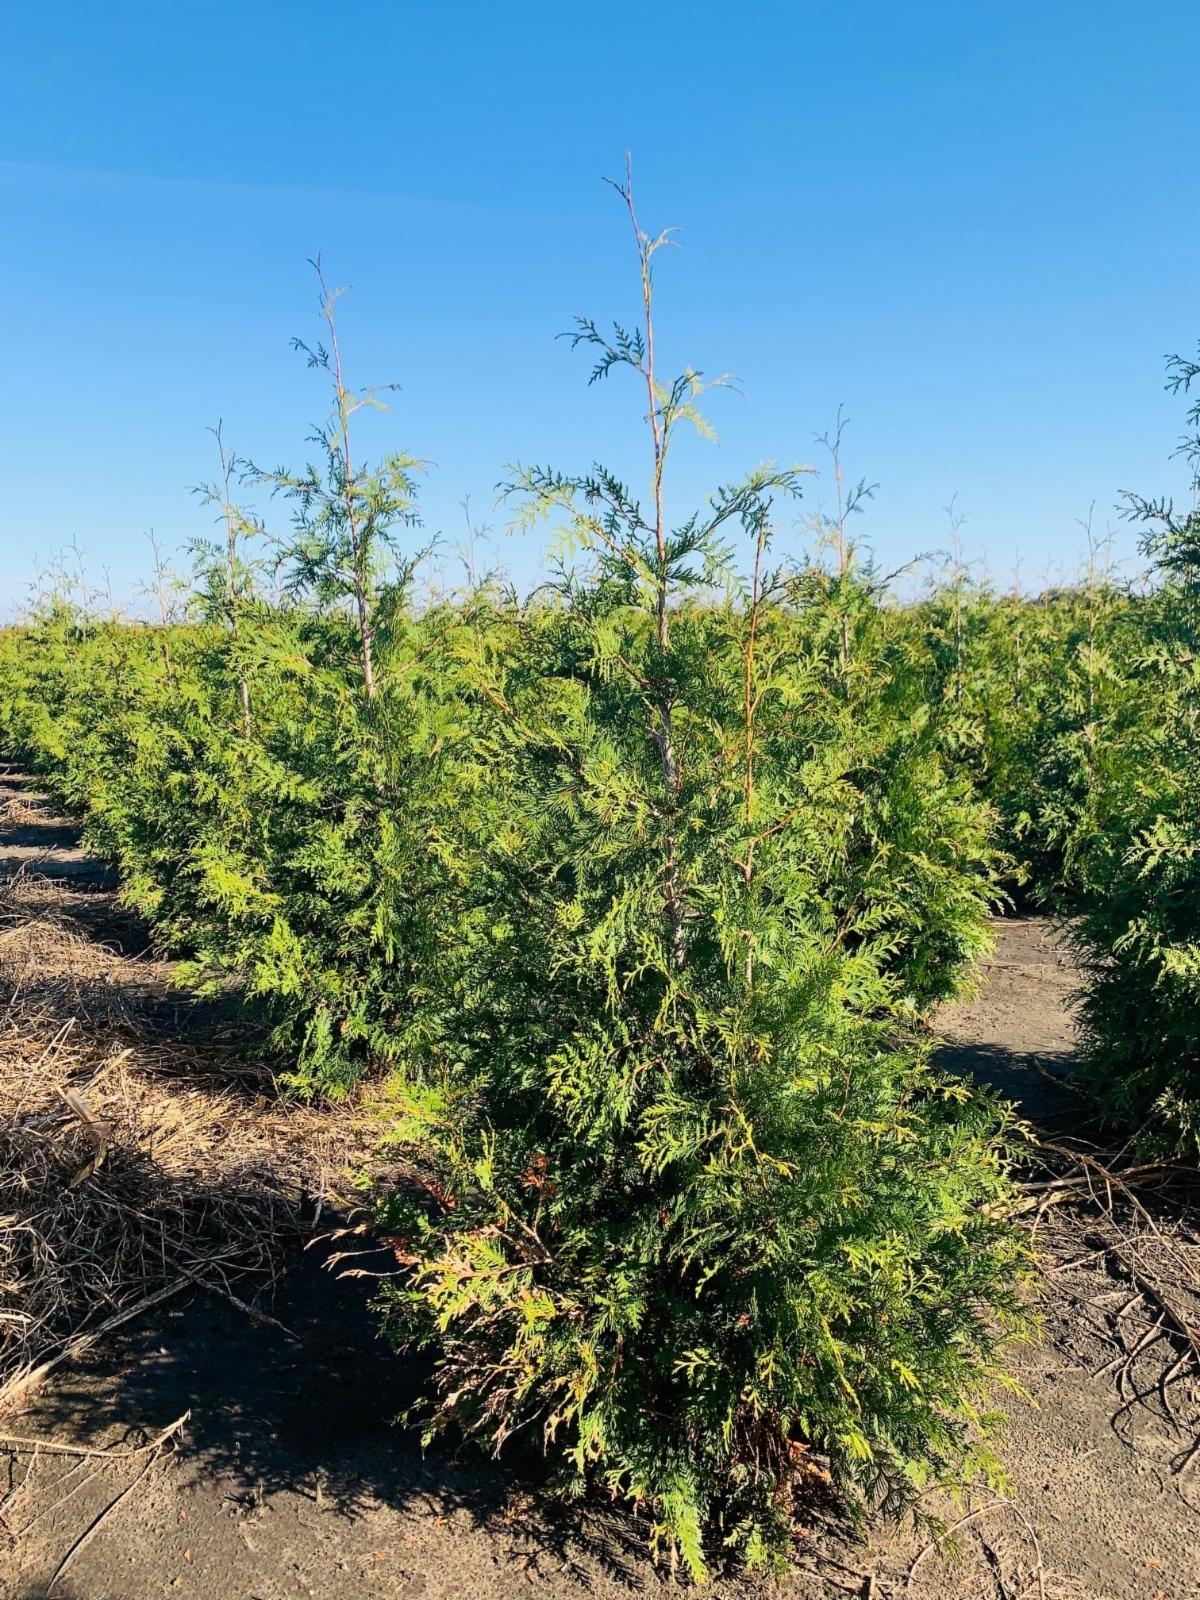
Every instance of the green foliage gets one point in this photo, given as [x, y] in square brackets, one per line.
[1035, 699]
[346, 516]
[1139, 937]
[632, 895]
[695, 1208]
[274, 809]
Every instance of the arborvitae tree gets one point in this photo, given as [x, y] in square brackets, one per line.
[1030, 696]
[1139, 937]
[694, 1208]
[833, 529]
[227, 573]
[166, 588]
[271, 781]
[912, 860]
[347, 515]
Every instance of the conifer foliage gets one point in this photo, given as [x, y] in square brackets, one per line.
[267, 776]
[1139, 936]
[630, 896]
[698, 1212]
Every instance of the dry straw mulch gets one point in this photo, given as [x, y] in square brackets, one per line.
[136, 1159]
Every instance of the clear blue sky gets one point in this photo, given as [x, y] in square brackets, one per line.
[976, 224]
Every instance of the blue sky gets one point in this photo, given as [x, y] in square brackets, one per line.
[973, 224]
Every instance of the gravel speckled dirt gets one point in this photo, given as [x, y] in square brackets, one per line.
[290, 1480]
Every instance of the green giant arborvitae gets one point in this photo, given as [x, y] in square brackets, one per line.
[1139, 936]
[695, 1211]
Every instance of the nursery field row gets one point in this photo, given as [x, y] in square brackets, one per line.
[630, 899]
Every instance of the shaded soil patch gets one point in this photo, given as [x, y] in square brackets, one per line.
[1015, 1034]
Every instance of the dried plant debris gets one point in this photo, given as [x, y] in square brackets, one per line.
[1119, 1244]
[133, 1163]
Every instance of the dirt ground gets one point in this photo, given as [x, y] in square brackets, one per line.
[290, 1478]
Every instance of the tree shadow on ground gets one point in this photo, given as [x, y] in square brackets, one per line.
[1038, 1082]
[319, 1415]
[309, 1402]
[79, 872]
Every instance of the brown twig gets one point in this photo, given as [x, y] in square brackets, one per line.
[1039, 1571]
[13, 1441]
[83, 1342]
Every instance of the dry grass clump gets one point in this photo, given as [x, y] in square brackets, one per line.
[20, 807]
[133, 1164]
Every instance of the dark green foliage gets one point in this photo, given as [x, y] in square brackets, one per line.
[633, 897]
[301, 861]
[693, 1220]
[912, 857]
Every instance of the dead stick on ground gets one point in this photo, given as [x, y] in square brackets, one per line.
[973, 1516]
[1108, 1177]
[1162, 1298]
[15, 1493]
[1186, 1459]
[113, 1061]
[56, 1505]
[250, 1311]
[76, 1346]
[57, 1041]
[12, 1441]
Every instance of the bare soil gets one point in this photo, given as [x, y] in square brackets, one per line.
[289, 1476]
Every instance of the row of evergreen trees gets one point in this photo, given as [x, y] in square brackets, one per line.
[1078, 716]
[1138, 937]
[631, 897]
